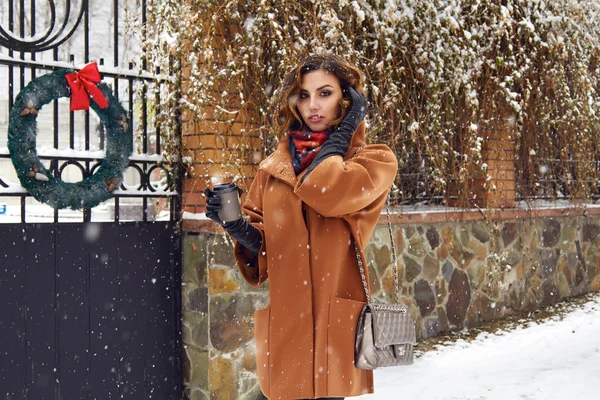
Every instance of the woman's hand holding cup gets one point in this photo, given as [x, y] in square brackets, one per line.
[223, 204]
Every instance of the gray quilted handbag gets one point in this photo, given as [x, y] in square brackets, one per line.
[385, 333]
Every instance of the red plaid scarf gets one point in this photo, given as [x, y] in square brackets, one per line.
[304, 147]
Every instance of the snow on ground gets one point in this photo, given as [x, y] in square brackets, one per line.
[555, 359]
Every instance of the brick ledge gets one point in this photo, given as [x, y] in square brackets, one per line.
[435, 217]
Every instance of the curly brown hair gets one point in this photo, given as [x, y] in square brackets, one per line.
[288, 117]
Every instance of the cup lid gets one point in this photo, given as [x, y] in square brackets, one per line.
[225, 187]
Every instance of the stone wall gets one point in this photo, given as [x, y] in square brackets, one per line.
[453, 275]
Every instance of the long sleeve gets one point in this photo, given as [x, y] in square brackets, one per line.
[337, 188]
[253, 267]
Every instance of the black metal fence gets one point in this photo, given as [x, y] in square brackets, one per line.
[91, 297]
[415, 185]
[71, 144]
[553, 179]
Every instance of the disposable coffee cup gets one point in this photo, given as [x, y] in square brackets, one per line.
[230, 201]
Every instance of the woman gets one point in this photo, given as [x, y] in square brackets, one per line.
[322, 190]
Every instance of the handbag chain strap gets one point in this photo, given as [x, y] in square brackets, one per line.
[361, 266]
[394, 257]
[362, 273]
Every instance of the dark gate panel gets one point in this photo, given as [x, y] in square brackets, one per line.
[98, 323]
[73, 306]
[90, 310]
[13, 356]
[40, 298]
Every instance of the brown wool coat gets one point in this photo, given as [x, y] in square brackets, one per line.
[305, 337]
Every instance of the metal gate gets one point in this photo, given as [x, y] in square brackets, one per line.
[90, 299]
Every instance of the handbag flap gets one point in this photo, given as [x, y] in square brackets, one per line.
[392, 325]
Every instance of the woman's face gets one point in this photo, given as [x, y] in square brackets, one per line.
[319, 99]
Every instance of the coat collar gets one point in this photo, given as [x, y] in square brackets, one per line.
[279, 164]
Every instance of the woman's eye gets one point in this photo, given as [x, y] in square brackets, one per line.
[326, 93]
[303, 95]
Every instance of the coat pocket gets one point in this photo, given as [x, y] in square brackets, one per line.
[262, 339]
[343, 378]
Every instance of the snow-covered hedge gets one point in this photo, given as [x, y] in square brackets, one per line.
[442, 77]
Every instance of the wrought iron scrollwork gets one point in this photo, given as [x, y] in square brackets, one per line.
[54, 36]
[36, 26]
[84, 173]
[145, 186]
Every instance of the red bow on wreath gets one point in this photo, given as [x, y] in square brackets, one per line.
[83, 86]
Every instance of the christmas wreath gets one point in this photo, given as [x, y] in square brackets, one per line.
[81, 86]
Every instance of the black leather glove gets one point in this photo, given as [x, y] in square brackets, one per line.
[242, 231]
[339, 140]
[245, 233]
[213, 205]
